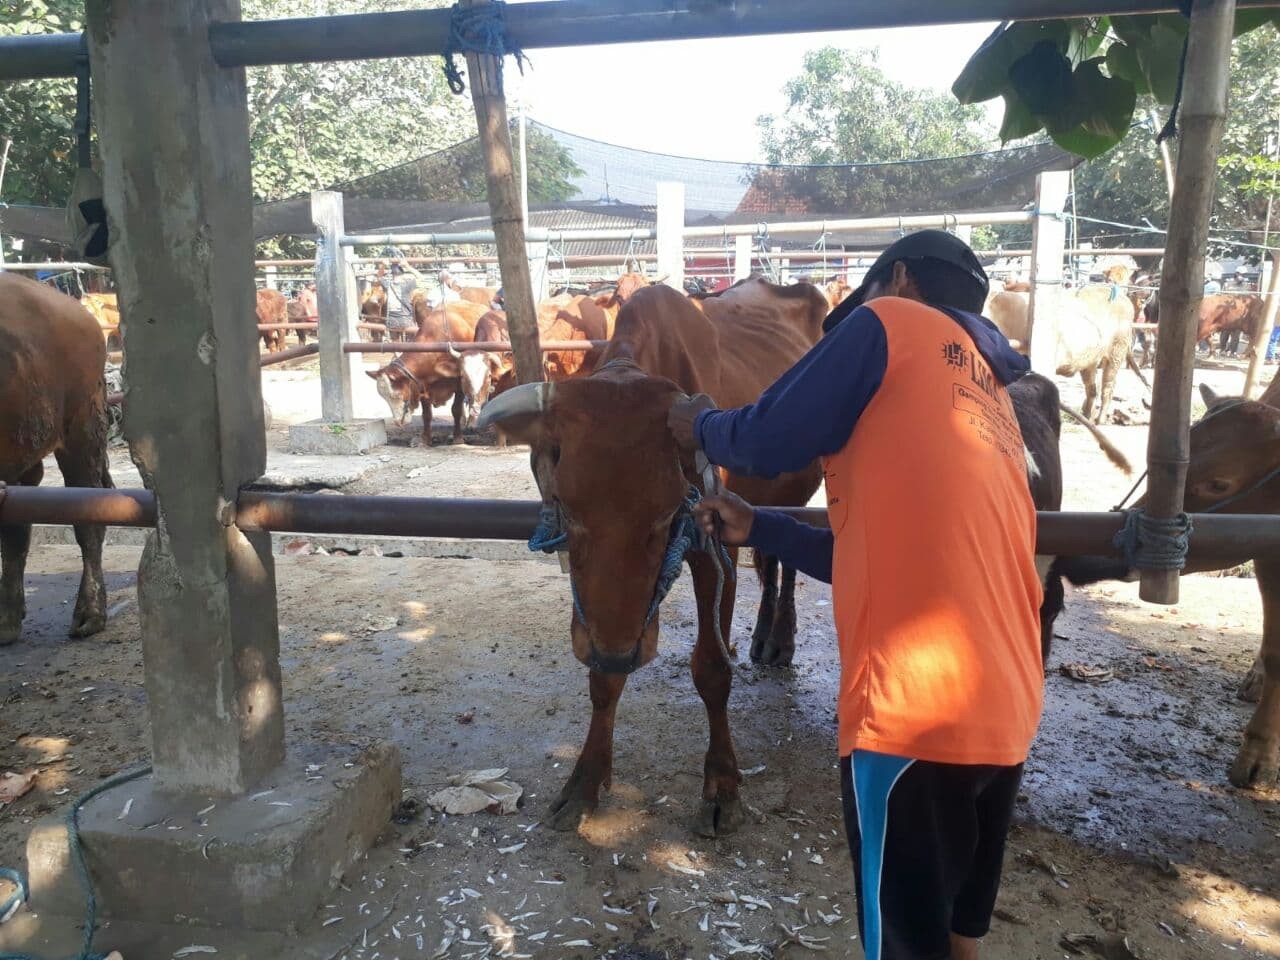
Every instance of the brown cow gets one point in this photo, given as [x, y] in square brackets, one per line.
[272, 308]
[606, 463]
[297, 313]
[481, 295]
[52, 400]
[1229, 315]
[373, 309]
[104, 308]
[428, 380]
[836, 291]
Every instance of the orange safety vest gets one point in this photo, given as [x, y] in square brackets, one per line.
[934, 584]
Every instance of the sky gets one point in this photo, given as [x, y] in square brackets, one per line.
[700, 98]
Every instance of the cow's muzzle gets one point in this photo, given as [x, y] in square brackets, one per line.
[611, 663]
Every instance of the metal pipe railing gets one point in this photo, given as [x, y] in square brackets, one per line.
[491, 346]
[1225, 538]
[487, 236]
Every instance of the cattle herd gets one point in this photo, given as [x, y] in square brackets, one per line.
[612, 475]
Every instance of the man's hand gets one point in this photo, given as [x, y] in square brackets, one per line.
[734, 515]
[681, 417]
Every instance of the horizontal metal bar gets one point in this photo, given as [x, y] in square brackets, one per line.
[534, 234]
[1225, 538]
[289, 353]
[861, 224]
[27, 266]
[491, 346]
[35, 56]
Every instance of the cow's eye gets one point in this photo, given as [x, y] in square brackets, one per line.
[1219, 486]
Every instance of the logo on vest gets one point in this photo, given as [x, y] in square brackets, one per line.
[959, 357]
[955, 355]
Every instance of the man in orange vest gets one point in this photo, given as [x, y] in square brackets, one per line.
[931, 557]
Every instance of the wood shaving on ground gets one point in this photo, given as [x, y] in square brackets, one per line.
[1086, 673]
[477, 790]
[14, 785]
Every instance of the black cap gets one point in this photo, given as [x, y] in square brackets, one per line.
[923, 245]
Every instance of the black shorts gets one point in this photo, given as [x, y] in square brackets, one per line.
[927, 841]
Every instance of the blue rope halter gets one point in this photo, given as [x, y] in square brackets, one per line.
[549, 535]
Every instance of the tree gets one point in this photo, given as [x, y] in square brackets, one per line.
[1080, 80]
[311, 125]
[1127, 184]
[842, 108]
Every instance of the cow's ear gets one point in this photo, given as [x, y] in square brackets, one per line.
[520, 413]
[373, 374]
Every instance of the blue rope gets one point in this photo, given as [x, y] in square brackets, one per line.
[77, 861]
[549, 536]
[481, 29]
[1152, 543]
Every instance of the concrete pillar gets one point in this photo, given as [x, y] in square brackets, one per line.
[539, 268]
[742, 250]
[270, 280]
[176, 178]
[670, 231]
[342, 380]
[965, 232]
[336, 301]
[1048, 245]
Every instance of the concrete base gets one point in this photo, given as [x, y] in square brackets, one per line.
[263, 862]
[319, 436]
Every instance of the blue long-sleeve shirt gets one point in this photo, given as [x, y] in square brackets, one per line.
[811, 412]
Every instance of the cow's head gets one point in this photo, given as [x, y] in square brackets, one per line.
[1233, 447]
[478, 372]
[606, 462]
[400, 388]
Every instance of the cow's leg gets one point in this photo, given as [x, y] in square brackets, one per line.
[767, 567]
[15, 541]
[594, 768]
[1110, 370]
[83, 461]
[1090, 378]
[425, 403]
[1250, 689]
[781, 646]
[721, 810]
[1258, 762]
[1053, 604]
[458, 410]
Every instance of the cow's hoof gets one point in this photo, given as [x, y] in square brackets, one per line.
[759, 638]
[87, 624]
[10, 627]
[776, 650]
[1258, 762]
[719, 817]
[569, 808]
[1250, 689]
[457, 441]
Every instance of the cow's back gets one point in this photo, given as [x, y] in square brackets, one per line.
[52, 356]
[452, 322]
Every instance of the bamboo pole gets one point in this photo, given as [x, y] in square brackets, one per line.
[484, 75]
[1258, 349]
[1203, 113]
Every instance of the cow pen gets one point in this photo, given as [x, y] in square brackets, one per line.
[207, 594]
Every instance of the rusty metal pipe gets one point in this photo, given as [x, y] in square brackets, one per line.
[1222, 539]
[302, 325]
[493, 346]
[289, 353]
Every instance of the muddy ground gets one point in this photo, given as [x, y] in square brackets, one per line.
[1127, 830]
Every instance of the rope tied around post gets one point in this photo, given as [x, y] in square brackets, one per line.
[480, 29]
[8, 908]
[1154, 543]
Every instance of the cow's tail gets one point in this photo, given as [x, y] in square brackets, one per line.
[1114, 453]
[1133, 365]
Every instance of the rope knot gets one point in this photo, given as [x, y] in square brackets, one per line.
[1154, 543]
[481, 29]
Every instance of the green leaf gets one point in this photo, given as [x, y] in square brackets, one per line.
[1083, 143]
[1019, 121]
[1161, 58]
[1103, 104]
[1042, 78]
[1133, 30]
[987, 72]
[1175, 22]
[1122, 62]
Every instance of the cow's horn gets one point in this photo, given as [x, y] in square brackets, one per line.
[528, 398]
[455, 352]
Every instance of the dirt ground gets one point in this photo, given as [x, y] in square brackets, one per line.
[1127, 832]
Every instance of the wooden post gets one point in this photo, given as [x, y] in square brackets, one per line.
[484, 75]
[1203, 113]
[742, 250]
[336, 300]
[1048, 245]
[176, 179]
[1258, 351]
[670, 231]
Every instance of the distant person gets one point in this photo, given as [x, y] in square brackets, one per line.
[400, 288]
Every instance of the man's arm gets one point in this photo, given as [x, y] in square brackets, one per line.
[796, 544]
[809, 412]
